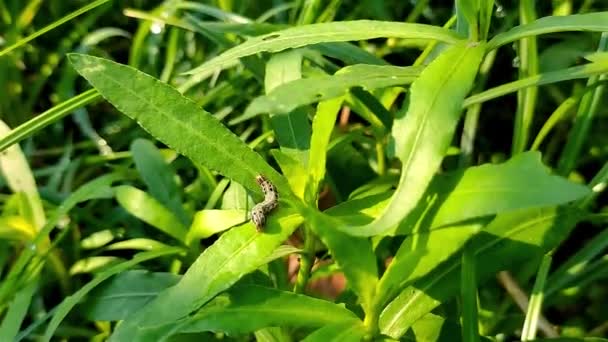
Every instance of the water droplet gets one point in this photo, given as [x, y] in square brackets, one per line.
[500, 11]
[599, 187]
[157, 27]
[515, 62]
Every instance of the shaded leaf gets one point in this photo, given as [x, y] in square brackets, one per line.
[420, 254]
[69, 302]
[17, 173]
[237, 252]
[354, 255]
[597, 22]
[124, 294]
[143, 206]
[509, 239]
[159, 177]
[322, 127]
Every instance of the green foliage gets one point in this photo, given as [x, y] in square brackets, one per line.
[398, 220]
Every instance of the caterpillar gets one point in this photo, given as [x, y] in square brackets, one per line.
[271, 200]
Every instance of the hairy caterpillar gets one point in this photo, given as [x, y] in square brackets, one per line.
[271, 200]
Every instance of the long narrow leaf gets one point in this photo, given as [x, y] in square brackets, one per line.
[177, 121]
[48, 117]
[597, 21]
[328, 32]
[251, 307]
[314, 89]
[423, 134]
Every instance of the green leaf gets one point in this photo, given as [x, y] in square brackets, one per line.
[521, 182]
[293, 170]
[141, 244]
[237, 252]
[595, 22]
[236, 197]
[339, 332]
[322, 127]
[327, 32]
[469, 315]
[420, 254]
[125, 293]
[577, 72]
[65, 19]
[159, 177]
[212, 221]
[292, 130]
[69, 302]
[571, 339]
[48, 117]
[247, 308]
[97, 188]
[16, 172]
[354, 255]
[362, 210]
[143, 206]
[16, 313]
[314, 89]
[510, 239]
[342, 158]
[177, 121]
[423, 134]
[431, 328]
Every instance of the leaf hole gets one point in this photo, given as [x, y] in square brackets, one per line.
[272, 36]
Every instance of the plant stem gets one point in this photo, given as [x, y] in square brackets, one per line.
[306, 261]
[536, 300]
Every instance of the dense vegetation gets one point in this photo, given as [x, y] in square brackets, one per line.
[440, 170]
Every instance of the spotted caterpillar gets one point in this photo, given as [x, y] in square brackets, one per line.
[271, 200]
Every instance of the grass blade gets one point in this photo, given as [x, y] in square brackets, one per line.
[572, 73]
[53, 25]
[536, 300]
[237, 252]
[468, 291]
[69, 302]
[48, 117]
[597, 21]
